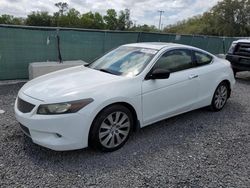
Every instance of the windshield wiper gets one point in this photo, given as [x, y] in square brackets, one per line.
[86, 65]
[107, 71]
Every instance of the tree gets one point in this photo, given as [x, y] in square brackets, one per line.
[18, 21]
[124, 22]
[227, 18]
[144, 28]
[128, 22]
[9, 19]
[72, 19]
[59, 18]
[63, 7]
[6, 19]
[98, 21]
[231, 17]
[92, 20]
[121, 22]
[208, 24]
[87, 20]
[111, 19]
[39, 19]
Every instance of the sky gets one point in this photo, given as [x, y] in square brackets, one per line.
[142, 11]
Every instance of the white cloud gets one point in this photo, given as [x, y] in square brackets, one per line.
[143, 11]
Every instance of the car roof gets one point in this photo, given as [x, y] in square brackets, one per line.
[155, 45]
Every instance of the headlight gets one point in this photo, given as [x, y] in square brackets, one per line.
[63, 108]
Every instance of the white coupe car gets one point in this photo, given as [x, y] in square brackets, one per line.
[130, 87]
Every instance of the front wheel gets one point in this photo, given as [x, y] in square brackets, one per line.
[220, 97]
[111, 128]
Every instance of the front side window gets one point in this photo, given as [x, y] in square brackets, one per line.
[175, 60]
[124, 61]
[202, 58]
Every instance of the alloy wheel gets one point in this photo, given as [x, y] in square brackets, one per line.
[221, 96]
[114, 129]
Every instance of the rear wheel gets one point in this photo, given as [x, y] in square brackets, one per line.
[220, 97]
[111, 128]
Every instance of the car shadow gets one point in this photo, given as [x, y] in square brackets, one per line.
[243, 77]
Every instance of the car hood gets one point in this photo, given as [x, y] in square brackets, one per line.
[67, 83]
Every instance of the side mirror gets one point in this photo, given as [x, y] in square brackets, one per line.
[158, 74]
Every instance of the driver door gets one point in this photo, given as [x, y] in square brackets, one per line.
[162, 98]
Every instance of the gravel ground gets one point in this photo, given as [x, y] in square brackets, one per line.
[197, 149]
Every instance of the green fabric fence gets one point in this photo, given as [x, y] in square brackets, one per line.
[21, 45]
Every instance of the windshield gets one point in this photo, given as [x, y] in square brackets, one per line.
[125, 61]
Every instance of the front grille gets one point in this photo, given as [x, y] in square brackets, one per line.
[25, 129]
[24, 106]
[243, 49]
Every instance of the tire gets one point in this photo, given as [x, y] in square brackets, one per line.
[111, 128]
[220, 97]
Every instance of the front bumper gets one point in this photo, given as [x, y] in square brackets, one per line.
[56, 132]
[240, 63]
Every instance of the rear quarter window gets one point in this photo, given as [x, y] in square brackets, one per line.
[202, 58]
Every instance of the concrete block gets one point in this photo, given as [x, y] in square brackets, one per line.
[40, 68]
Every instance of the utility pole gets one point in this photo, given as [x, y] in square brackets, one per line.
[161, 12]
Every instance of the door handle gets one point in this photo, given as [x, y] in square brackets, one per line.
[192, 76]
